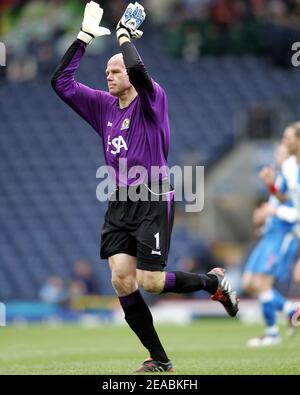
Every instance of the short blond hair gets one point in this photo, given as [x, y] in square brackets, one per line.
[296, 127]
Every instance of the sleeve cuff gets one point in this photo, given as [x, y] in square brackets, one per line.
[122, 32]
[289, 214]
[84, 37]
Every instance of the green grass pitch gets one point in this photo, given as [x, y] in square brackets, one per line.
[205, 347]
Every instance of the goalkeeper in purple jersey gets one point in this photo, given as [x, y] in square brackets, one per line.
[132, 123]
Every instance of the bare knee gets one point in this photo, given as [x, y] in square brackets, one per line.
[297, 278]
[297, 273]
[124, 284]
[152, 282]
[264, 283]
[254, 284]
[247, 284]
[123, 274]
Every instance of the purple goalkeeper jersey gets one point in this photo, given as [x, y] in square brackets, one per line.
[139, 133]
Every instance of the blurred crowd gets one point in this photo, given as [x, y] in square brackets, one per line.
[225, 13]
[35, 32]
[219, 27]
[57, 290]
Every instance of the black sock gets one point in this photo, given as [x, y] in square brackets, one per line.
[182, 283]
[139, 318]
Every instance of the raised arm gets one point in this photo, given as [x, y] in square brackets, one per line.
[81, 98]
[127, 30]
[138, 75]
[276, 186]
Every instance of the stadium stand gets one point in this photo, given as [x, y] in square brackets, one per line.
[49, 214]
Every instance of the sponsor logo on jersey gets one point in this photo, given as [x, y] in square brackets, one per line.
[118, 143]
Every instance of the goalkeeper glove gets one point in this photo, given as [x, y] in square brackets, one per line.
[131, 20]
[90, 25]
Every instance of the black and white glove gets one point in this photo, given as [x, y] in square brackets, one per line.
[131, 20]
[90, 25]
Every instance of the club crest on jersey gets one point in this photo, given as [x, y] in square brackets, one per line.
[125, 124]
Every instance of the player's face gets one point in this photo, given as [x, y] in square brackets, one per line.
[290, 140]
[117, 77]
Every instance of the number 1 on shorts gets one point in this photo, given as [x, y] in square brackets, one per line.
[157, 240]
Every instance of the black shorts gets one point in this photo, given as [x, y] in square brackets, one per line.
[140, 228]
